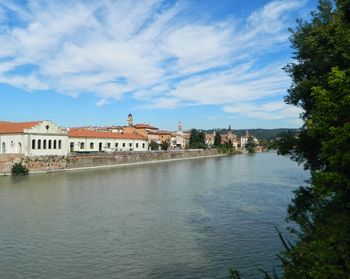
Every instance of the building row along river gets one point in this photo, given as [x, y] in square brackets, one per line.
[45, 138]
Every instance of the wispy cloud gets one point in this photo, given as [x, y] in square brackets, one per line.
[150, 49]
[266, 111]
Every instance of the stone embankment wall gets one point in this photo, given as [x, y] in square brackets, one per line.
[91, 160]
[35, 164]
[45, 163]
[7, 161]
[41, 164]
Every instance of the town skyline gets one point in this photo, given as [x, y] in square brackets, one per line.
[149, 59]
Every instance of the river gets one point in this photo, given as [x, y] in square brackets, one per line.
[183, 219]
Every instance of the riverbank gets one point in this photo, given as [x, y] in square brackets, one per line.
[47, 164]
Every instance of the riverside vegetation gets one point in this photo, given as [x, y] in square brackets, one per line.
[321, 87]
[19, 169]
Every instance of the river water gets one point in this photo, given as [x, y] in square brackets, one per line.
[184, 219]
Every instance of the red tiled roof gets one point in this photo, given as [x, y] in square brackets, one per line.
[81, 133]
[16, 127]
[144, 126]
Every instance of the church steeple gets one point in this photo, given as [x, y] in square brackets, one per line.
[179, 127]
[130, 120]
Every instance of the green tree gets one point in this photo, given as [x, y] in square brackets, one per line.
[165, 145]
[217, 140]
[321, 87]
[154, 145]
[250, 145]
[197, 139]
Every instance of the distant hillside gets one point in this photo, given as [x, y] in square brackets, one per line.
[261, 134]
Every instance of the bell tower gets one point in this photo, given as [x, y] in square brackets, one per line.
[179, 126]
[130, 120]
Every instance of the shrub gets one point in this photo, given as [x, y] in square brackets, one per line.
[19, 169]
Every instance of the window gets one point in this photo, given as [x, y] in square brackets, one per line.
[116, 144]
[39, 144]
[44, 144]
[130, 144]
[33, 144]
[91, 145]
[47, 127]
[143, 145]
[50, 144]
[137, 145]
[54, 144]
[82, 145]
[109, 145]
[59, 144]
[123, 144]
[3, 146]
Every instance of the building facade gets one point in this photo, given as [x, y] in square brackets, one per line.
[95, 141]
[35, 138]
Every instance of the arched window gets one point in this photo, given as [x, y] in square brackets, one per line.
[59, 144]
[3, 147]
[39, 144]
[33, 144]
[49, 144]
[54, 144]
[44, 144]
[20, 147]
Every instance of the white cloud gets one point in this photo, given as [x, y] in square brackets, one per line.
[151, 48]
[267, 111]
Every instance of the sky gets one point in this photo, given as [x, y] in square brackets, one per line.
[209, 64]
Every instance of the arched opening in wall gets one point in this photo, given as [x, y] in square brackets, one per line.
[100, 146]
[71, 147]
[3, 147]
[19, 147]
[50, 144]
[44, 144]
[54, 144]
[39, 144]
[33, 144]
[59, 144]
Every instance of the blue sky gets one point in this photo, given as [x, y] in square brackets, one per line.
[209, 63]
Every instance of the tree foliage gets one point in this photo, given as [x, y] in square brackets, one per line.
[165, 145]
[18, 169]
[217, 140]
[154, 145]
[197, 139]
[321, 87]
[250, 145]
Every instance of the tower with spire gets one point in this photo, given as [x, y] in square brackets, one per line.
[179, 126]
[130, 120]
[229, 130]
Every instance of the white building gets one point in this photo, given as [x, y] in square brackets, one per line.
[33, 138]
[81, 140]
